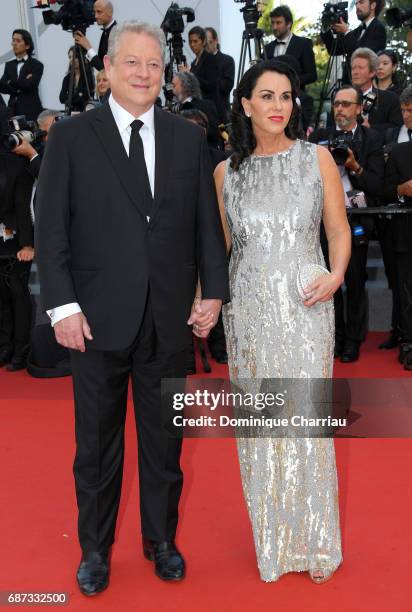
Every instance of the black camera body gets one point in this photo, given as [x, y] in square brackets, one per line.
[74, 15]
[339, 144]
[369, 102]
[333, 13]
[173, 20]
[20, 130]
[251, 14]
[397, 17]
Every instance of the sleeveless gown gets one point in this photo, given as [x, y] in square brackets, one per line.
[273, 208]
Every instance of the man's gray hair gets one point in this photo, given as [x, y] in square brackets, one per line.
[107, 4]
[406, 95]
[136, 27]
[47, 114]
[368, 54]
[190, 85]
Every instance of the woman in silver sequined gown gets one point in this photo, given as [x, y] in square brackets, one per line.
[272, 206]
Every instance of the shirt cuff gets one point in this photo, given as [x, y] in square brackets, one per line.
[34, 157]
[61, 312]
[91, 54]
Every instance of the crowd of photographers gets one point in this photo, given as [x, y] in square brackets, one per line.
[368, 131]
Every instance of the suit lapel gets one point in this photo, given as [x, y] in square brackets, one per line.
[291, 48]
[106, 130]
[164, 128]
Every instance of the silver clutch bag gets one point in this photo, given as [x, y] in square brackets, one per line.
[306, 275]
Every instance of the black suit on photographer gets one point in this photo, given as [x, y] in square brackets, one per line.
[363, 173]
[103, 12]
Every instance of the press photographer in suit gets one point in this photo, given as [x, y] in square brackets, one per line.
[288, 43]
[129, 192]
[226, 66]
[362, 171]
[103, 12]
[22, 77]
[371, 33]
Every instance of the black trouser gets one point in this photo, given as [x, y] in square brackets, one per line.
[100, 391]
[15, 304]
[384, 228]
[216, 340]
[404, 269]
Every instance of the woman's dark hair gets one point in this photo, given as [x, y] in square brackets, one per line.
[194, 114]
[393, 56]
[242, 138]
[26, 36]
[198, 31]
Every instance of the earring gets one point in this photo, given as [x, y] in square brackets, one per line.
[248, 115]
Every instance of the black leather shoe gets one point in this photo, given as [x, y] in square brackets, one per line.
[169, 563]
[391, 342]
[407, 362]
[5, 356]
[93, 573]
[19, 359]
[404, 350]
[350, 352]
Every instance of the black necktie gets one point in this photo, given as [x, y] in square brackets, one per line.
[362, 31]
[136, 156]
[280, 42]
[21, 61]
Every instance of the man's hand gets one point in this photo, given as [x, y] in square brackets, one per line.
[341, 27]
[405, 189]
[25, 254]
[204, 316]
[183, 68]
[366, 123]
[351, 163]
[25, 150]
[71, 332]
[81, 40]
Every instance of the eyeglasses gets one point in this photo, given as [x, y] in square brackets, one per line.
[343, 103]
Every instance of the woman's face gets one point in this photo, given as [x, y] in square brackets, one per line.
[271, 104]
[196, 43]
[385, 68]
[102, 83]
[76, 62]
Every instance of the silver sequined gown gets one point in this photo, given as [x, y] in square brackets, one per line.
[274, 206]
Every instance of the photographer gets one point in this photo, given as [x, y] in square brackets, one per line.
[371, 33]
[381, 109]
[226, 66]
[288, 43]
[103, 12]
[359, 156]
[22, 77]
[82, 91]
[16, 255]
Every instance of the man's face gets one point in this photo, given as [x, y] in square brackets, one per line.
[361, 73]
[346, 109]
[407, 115]
[280, 27]
[365, 9]
[177, 87]
[136, 74]
[211, 43]
[19, 46]
[45, 126]
[102, 13]
[196, 43]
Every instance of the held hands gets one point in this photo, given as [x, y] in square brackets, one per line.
[25, 254]
[81, 40]
[71, 332]
[322, 289]
[204, 316]
[341, 27]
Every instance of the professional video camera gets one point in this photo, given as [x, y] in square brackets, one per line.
[74, 15]
[333, 13]
[173, 20]
[339, 144]
[173, 27]
[251, 14]
[398, 17]
[20, 130]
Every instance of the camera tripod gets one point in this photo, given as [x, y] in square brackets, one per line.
[176, 56]
[80, 55]
[249, 35]
[333, 78]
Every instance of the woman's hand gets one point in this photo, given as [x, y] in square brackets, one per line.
[322, 289]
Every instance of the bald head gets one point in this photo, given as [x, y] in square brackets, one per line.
[103, 11]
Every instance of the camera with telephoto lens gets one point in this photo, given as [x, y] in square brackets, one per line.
[332, 13]
[339, 144]
[398, 17]
[73, 16]
[20, 130]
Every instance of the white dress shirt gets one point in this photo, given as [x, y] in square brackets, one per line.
[403, 134]
[123, 120]
[20, 64]
[281, 49]
[91, 52]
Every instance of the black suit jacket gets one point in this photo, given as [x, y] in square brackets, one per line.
[374, 38]
[226, 67]
[302, 49]
[80, 93]
[97, 61]
[207, 73]
[15, 195]
[23, 91]
[102, 252]
[399, 170]
[386, 112]
[209, 108]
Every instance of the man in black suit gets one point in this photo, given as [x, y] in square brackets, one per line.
[129, 192]
[226, 67]
[398, 187]
[371, 33]
[16, 255]
[103, 12]
[362, 171]
[287, 43]
[385, 111]
[22, 77]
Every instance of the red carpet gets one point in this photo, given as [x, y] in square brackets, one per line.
[39, 550]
